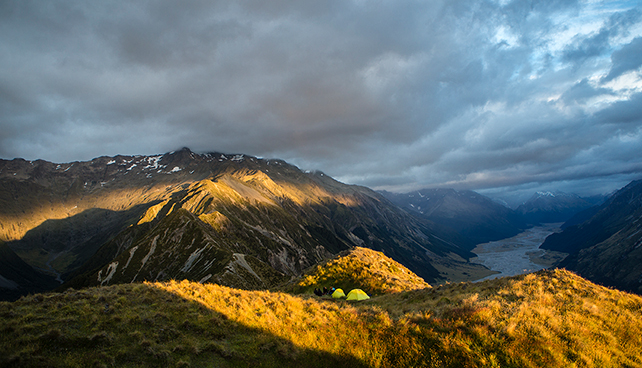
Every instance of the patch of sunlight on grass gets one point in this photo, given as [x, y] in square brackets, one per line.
[550, 318]
[307, 323]
[360, 268]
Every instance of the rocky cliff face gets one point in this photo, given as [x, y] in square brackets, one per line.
[233, 219]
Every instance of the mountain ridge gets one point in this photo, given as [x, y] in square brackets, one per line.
[267, 210]
[475, 216]
[357, 268]
[551, 207]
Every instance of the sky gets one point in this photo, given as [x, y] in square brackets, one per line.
[502, 97]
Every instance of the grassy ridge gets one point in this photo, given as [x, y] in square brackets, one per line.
[550, 318]
[359, 268]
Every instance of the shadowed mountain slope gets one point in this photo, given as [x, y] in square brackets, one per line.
[18, 278]
[59, 246]
[607, 248]
[619, 211]
[473, 215]
[549, 207]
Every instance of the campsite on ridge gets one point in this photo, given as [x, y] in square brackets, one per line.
[344, 183]
[548, 318]
[273, 234]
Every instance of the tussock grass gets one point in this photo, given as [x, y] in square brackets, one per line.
[550, 318]
[359, 268]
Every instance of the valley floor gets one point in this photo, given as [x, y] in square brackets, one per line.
[519, 254]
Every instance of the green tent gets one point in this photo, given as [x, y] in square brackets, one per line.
[338, 294]
[357, 294]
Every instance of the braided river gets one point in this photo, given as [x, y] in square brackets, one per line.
[519, 254]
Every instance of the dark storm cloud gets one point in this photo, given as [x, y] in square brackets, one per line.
[389, 94]
[628, 58]
[583, 91]
[625, 115]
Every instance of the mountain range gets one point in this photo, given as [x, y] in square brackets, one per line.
[473, 215]
[236, 220]
[550, 207]
[256, 223]
[212, 259]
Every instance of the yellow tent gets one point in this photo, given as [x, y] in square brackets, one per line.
[338, 294]
[357, 294]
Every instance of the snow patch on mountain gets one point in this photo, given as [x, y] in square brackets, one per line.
[545, 194]
[154, 163]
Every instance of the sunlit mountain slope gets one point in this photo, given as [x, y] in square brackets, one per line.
[233, 219]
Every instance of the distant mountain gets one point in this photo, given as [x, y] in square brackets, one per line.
[607, 248]
[549, 207]
[232, 219]
[473, 215]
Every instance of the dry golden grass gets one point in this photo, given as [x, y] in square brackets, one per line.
[546, 319]
[360, 268]
[549, 318]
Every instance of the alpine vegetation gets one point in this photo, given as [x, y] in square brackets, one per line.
[545, 319]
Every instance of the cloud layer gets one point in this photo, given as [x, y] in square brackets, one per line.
[498, 96]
